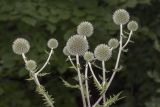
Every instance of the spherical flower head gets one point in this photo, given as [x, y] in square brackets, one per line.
[121, 16]
[31, 65]
[85, 29]
[52, 43]
[20, 46]
[65, 51]
[113, 43]
[88, 56]
[102, 52]
[132, 25]
[77, 45]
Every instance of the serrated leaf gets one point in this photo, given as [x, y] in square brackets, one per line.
[49, 101]
[43, 74]
[99, 88]
[113, 99]
[67, 84]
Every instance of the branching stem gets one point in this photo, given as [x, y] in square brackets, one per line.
[116, 66]
[36, 80]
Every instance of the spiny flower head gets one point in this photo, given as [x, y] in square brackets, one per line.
[20, 46]
[85, 28]
[113, 43]
[102, 52]
[52, 43]
[121, 16]
[31, 65]
[65, 51]
[77, 45]
[132, 25]
[88, 56]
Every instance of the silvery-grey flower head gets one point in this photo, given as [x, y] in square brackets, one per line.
[88, 56]
[65, 51]
[52, 43]
[132, 25]
[77, 45]
[20, 46]
[85, 28]
[121, 16]
[113, 43]
[102, 52]
[31, 65]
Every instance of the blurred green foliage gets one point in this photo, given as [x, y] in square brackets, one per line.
[39, 20]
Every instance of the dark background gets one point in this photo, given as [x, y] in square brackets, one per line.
[39, 20]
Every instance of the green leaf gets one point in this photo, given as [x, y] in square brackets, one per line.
[113, 99]
[29, 20]
[67, 84]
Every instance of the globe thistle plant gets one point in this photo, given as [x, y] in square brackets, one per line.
[85, 28]
[78, 45]
[21, 46]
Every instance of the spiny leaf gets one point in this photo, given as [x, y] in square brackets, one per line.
[104, 86]
[99, 88]
[112, 99]
[67, 84]
[49, 101]
[43, 74]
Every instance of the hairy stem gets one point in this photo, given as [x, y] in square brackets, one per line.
[80, 81]
[36, 80]
[104, 80]
[129, 38]
[47, 61]
[70, 59]
[87, 88]
[116, 66]
[95, 78]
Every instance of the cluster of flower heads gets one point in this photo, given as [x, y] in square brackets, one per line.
[78, 44]
[22, 46]
[121, 17]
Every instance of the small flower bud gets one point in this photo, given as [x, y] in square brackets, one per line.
[132, 25]
[65, 51]
[88, 56]
[113, 43]
[52, 43]
[31, 65]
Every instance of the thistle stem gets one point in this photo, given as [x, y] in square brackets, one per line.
[116, 66]
[70, 59]
[80, 81]
[36, 80]
[95, 78]
[45, 64]
[129, 38]
[104, 80]
[87, 87]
